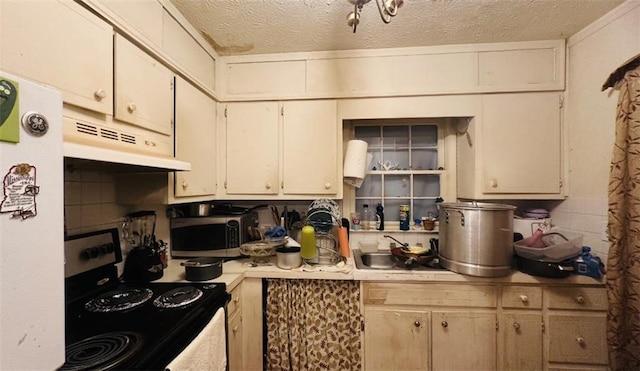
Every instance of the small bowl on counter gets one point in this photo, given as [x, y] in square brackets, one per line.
[288, 257]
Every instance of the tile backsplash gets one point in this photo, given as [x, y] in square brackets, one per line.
[587, 216]
[89, 201]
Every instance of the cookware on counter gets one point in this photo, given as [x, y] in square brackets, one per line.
[412, 256]
[543, 268]
[288, 257]
[202, 269]
[476, 238]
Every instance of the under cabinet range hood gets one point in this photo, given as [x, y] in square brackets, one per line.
[135, 161]
[88, 140]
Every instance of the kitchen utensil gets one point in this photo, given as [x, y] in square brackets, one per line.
[543, 268]
[202, 269]
[199, 209]
[411, 260]
[138, 228]
[476, 238]
[288, 257]
[343, 242]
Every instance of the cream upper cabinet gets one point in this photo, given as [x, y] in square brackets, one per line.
[310, 148]
[195, 140]
[282, 149]
[59, 43]
[144, 94]
[514, 149]
[252, 142]
[141, 16]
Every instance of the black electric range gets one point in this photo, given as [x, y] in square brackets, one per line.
[112, 325]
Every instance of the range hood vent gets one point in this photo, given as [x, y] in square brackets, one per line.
[120, 161]
[88, 142]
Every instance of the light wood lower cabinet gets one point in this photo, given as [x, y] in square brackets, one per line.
[499, 326]
[463, 340]
[234, 330]
[401, 332]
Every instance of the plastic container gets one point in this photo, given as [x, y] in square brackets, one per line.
[561, 245]
[380, 217]
[308, 249]
[365, 222]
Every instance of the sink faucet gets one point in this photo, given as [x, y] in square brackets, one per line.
[405, 246]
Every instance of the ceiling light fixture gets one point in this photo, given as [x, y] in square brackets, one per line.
[386, 8]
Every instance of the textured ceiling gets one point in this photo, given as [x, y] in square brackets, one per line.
[237, 27]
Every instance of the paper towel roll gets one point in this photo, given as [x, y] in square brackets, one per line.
[356, 160]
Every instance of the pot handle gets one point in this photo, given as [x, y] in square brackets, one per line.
[446, 212]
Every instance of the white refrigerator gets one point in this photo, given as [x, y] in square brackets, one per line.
[31, 226]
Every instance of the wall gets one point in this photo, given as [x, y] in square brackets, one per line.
[593, 54]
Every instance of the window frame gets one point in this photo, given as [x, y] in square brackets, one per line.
[445, 170]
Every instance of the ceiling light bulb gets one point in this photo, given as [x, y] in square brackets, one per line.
[353, 18]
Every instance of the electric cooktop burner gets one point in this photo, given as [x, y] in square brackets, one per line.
[119, 300]
[101, 352]
[178, 297]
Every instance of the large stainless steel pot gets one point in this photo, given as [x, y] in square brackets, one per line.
[476, 238]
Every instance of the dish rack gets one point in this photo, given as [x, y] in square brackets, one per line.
[323, 222]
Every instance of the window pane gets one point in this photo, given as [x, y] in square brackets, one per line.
[394, 160]
[392, 208]
[395, 136]
[371, 186]
[424, 208]
[397, 186]
[424, 136]
[424, 159]
[426, 185]
[370, 134]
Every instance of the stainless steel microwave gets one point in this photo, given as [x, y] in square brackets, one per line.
[215, 236]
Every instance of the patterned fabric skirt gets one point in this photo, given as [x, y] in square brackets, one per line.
[313, 325]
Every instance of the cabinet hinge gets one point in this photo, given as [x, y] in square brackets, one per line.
[172, 84]
[361, 324]
[560, 100]
[542, 325]
[225, 184]
[282, 184]
[281, 111]
[225, 112]
[560, 183]
[497, 325]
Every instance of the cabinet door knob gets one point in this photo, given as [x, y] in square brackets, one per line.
[185, 185]
[580, 299]
[524, 298]
[236, 300]
[516, 325]
[327, 186]
[131, 107]
[494, 183]
[445, 324]
[416, 323]
[268, 185]
[100, 94]
[234, 329]
[580, 340]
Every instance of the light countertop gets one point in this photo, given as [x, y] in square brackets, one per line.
[235, 270]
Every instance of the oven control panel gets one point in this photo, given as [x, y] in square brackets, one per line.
[91, 250]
